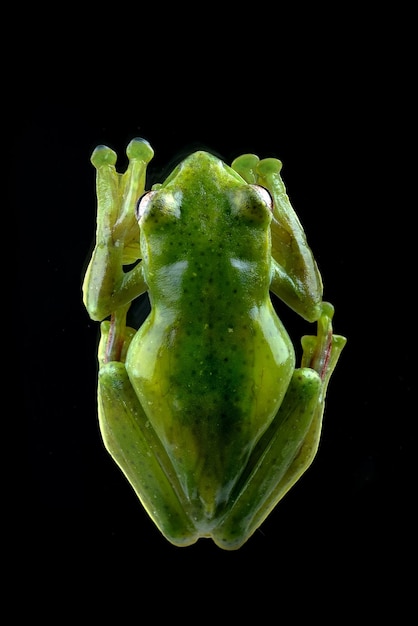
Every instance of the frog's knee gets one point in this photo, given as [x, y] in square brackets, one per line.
[305, 384]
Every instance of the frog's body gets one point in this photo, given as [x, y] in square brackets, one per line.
[207, 362]
[202, 407]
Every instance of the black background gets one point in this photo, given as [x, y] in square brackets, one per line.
[343, 530]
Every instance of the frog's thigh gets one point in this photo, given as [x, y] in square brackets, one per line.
[281, 456]
[134, 446]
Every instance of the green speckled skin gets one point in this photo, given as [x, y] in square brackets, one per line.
[202, 407]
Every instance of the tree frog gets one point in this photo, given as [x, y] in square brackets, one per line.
[202, 407]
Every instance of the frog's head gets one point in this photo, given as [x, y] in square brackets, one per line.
[208, 196]
[205, 221]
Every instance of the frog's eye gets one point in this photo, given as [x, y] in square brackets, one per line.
[159, 206]
[253, 204]
[264, 195]
[143, 203]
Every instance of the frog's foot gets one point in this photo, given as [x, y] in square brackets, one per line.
[115, 337]
[321, 352]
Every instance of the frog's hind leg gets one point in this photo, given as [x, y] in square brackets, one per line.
[289, 445]
[267, 476]
[131, 441]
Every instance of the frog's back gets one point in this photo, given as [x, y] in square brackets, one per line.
[211, 378]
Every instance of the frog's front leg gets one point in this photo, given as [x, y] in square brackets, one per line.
[107, 285]
[131, 441]
[289, 445]
[295, 277]
[109, 289]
